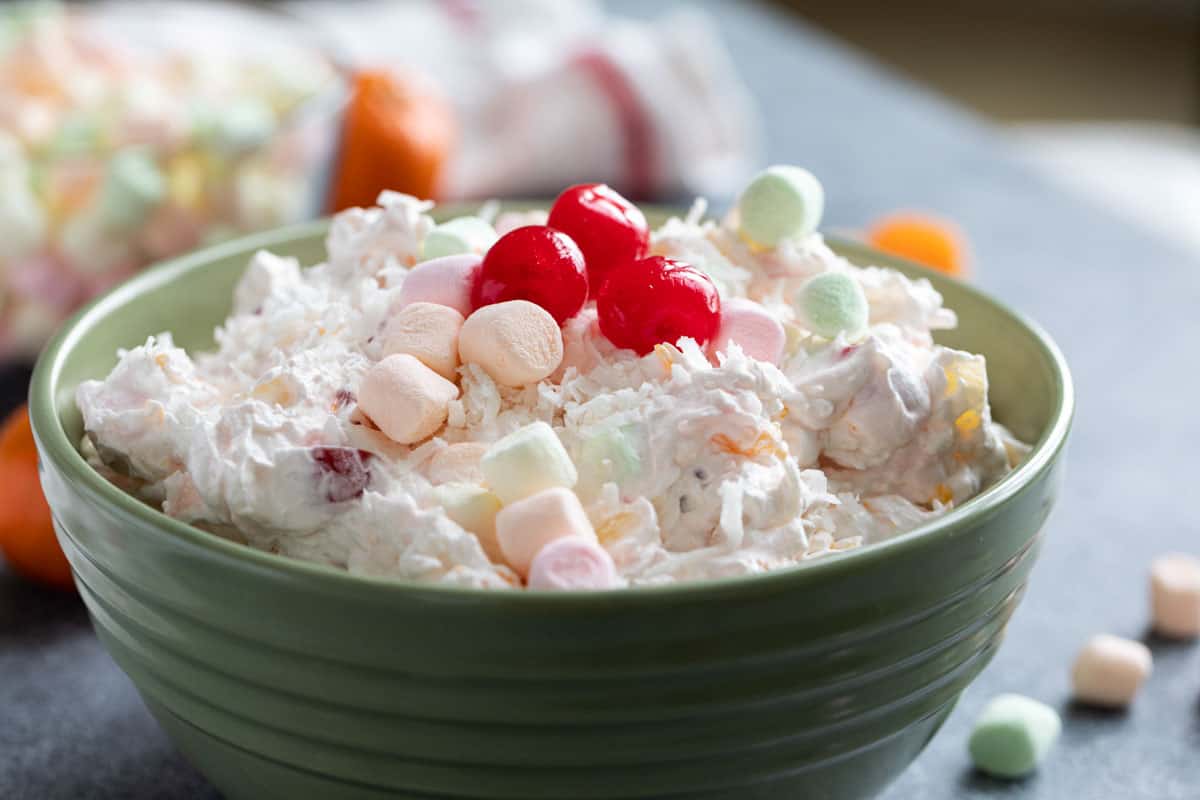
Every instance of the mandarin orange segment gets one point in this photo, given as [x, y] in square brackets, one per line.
[26, 533]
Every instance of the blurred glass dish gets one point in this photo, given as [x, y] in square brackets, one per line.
[130, 132]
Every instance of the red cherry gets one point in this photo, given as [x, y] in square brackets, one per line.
[534, 263]
[610, 230]
[658, 300]
[343, 471]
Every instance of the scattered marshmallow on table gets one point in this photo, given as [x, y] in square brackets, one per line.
[526, 526]
[752, 327]
[406, 399]
[572, 562]
[459, 235]
[1175, 595]
[528, 461]
[516, 342]
[781, 202]
[475, 509]
[428, 332]
[1013, 735]
[831, 303]
[1110, 670]
[445, 281]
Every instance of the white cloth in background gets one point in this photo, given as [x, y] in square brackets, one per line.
[553, 92]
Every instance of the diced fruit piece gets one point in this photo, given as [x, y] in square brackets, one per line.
[611, 231]
[343, 471]
[658, 300]
[534, 263]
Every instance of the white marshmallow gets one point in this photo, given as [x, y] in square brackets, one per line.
[523, 528]
[1110, 670]
[1175, 595]
[446, 281]
[457, 463]
[572, 562]
[429, 332]
[528, 461]
[516, 342]
[475, 509]
[406, 399]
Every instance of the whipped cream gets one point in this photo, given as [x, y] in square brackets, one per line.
[690, 466]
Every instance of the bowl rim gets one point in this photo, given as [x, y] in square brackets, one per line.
[53, 444]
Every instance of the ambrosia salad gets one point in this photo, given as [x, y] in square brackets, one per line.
[560, 401]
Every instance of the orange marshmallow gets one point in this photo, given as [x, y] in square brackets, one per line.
[429, 332]
[1109, 671]
[516, 342]
[1175, 595]
[405, 399]
[457, 463]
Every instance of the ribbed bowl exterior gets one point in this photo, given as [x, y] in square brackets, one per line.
[287, 680]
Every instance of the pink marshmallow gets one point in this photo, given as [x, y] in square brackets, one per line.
[572, 563]
[405, 399]
[524, 527]
[446, 281]
[759, 334]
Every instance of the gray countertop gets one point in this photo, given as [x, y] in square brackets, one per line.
[1122, 304]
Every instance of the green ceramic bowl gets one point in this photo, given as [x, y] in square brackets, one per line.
[282, 679]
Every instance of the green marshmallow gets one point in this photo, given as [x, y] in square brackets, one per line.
[457, 236]
[782, 202]
[608, 457]
[133, 187]
[1013, 735]
[833, 303]
[79, 134]
[243, 126]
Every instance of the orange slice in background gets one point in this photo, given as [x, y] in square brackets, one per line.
[26, 534]
[924, 238]
[397, 134]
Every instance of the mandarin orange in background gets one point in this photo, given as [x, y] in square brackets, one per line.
[925, 238]
[26, 534]
[397, 134]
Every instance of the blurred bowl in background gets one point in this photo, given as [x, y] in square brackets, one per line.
[131, 132]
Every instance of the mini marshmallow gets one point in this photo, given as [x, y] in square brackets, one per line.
[1013, 735]
[572, 562]
[523, 528]
[475, 509]
[243, 126]
[446, 281]
[832, 303]
[133, 187]
[429, 332]
[607, 456]
[782, 202]
[516, 342]
[528, 461]
[406, 399]
[1175, 596]
[759, 334]
[457, 463]
[1110, 670]
[457, 236]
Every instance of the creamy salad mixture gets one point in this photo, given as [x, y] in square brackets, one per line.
[689, 463]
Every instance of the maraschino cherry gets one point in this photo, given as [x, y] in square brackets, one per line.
[535, 263]
[656, 300]
[610, 230]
